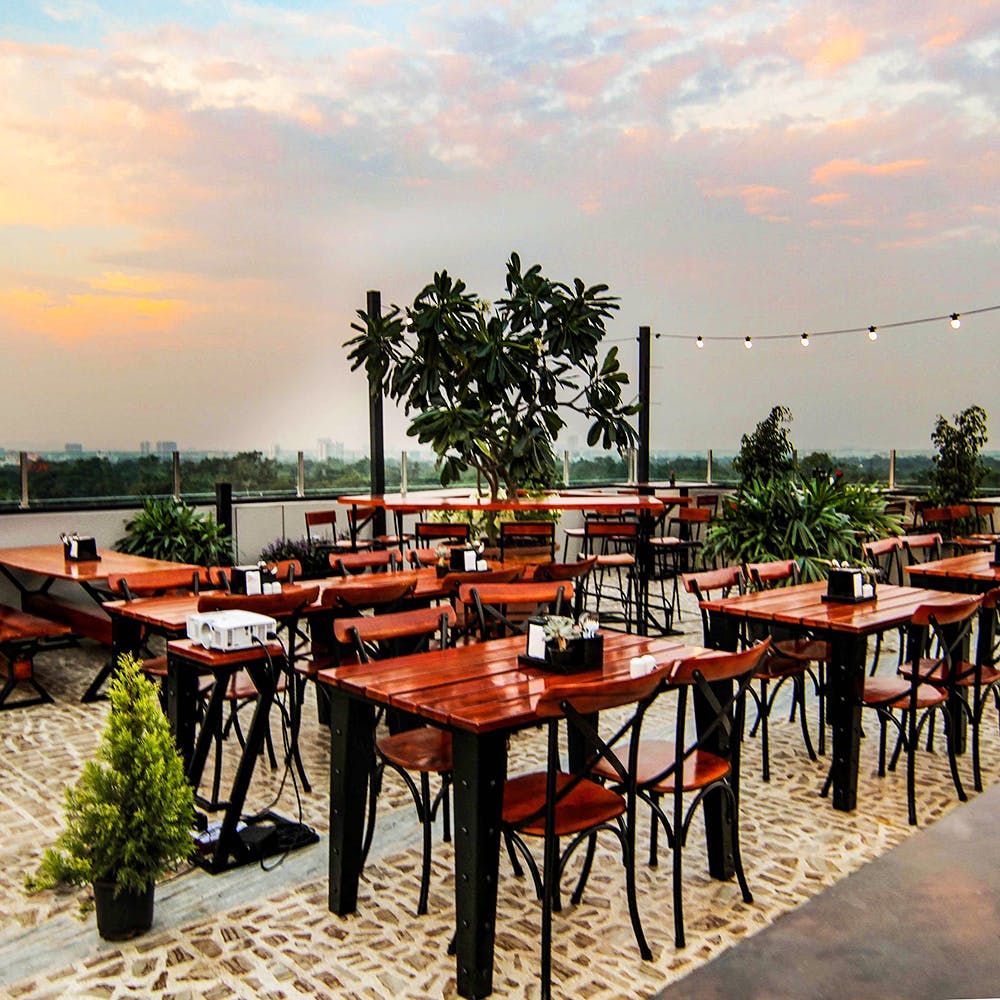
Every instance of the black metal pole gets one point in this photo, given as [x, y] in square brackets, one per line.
[376, 429]
[642, 461]
[224, 509]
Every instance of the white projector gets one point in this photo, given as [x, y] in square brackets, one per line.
[228, 630]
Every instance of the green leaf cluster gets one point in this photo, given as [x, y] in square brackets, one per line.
[166, 528]
[959, 469]
[811, 520]
[487, 385]
[129, 815]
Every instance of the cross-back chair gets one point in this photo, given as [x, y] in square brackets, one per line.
[503, 608]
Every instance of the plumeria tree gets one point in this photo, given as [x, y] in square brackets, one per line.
[487, 386]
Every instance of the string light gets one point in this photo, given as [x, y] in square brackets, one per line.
[873, 330]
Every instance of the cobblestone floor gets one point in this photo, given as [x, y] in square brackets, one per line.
[269, 934]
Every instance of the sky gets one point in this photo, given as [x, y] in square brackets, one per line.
[195, 197]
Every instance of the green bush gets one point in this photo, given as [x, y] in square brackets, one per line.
[959, 469]
[130, 814]
[810, 520]
[170, 529]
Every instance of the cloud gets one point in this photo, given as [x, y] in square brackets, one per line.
[834, 170]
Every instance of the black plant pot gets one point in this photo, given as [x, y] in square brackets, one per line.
[123, 916]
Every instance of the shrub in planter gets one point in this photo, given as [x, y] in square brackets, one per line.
[169, 529]
[314, 557]
[130, 814]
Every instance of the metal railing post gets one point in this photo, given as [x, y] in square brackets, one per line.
[23, 458]
[892, 468]
[708, 468]
[177, 475]
[300, 482]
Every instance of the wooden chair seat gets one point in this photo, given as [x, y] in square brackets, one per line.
[804, 649]
[701, 768]
[424, 749]
[966, 676]
[778, 668]
[616, 559]
[585, 806]
[894, 692]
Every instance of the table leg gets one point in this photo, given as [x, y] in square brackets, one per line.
[480, 773]
[845, 683]
[352, 755]
[182, 705]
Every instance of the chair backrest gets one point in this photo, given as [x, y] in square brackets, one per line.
[382, 592]
[883, 554]
[504, 608]
[398, 633]
[283, 605]
[156, 582]
[601, 537]
[766, 575]
[441, 531]
[693, 515]
[565, 570]
[422, 557]
[949, 622]
[286, 570]
[321, 518]
[922, 548]
[451, 582]
[375, 561]
[587, 697]
[521, 534]
[702, 586]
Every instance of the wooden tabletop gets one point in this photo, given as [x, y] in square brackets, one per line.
[190, 650]
[804, 606]
[50, 561]
[461, 500]
[482, 687]
[970, 566]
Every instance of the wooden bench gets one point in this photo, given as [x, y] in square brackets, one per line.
[20, 636]
[82, 620]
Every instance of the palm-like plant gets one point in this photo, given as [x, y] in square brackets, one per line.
[812, 521]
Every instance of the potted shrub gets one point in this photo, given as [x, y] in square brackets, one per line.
[169, 529]
[130, 814]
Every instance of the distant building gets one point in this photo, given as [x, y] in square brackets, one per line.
[144, 448]
[73, 448]
[326, 448]
[166, 446]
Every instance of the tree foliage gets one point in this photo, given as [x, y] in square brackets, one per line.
[486, 386]
[959, 469]
[130, 814]
[767, 451]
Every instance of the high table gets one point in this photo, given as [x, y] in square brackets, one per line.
[968, 573]
[50, 564]
[846, 627]
[648, 507]
[481, 694]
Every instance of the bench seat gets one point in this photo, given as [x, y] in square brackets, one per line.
[20, 636]
[90, 622]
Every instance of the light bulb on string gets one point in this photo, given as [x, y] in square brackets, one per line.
[700, 342]
[748, 342]
[873, 333]
[956, 321]
[804, 340]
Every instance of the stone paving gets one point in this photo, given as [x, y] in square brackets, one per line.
[256, 933]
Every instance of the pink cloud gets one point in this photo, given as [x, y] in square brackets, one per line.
[835, 169]
[832, 198]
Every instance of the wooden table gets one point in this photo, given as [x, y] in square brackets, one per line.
[481, 694]
[648, 507]
[969, 573]
[50, 564]
[846, 627]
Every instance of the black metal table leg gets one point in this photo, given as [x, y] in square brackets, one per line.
[845, 683]
[480, 772]
[352, 755]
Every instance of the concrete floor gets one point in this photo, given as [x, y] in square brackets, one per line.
[922, 921]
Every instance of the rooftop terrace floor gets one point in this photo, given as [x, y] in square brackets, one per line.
[258, 933]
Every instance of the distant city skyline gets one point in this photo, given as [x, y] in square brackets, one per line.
[196, 197]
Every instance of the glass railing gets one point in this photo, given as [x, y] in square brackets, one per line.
[40, 480]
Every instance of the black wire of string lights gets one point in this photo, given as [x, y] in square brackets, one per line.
[955, 319]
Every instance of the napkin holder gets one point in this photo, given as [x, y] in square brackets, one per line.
[77, 548]
[465, 559]
[849, 585]
[253, 580]
[579, 654]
